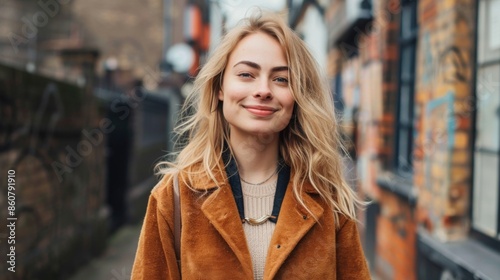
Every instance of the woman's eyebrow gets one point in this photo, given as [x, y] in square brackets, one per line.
[257, 66]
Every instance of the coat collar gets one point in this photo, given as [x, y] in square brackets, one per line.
[203, 182]
[294, 221]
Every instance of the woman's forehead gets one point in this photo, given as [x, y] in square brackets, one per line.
[259, 48]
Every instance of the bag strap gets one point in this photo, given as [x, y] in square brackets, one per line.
[177, 218]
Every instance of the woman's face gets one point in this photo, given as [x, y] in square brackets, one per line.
[256, 96]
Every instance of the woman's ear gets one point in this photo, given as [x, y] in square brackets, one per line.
[221, 95]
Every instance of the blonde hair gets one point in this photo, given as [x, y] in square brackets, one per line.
[310, 144]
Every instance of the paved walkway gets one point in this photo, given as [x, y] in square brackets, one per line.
[116, 262]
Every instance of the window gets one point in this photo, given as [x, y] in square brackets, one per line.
[486, 180]
[407, 47]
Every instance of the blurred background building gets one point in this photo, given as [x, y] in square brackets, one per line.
[89, 94]
[419, 86]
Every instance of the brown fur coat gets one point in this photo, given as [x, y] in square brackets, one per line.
[213, 243]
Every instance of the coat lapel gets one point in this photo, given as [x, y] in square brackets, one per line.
[293, 224]
[220, 208]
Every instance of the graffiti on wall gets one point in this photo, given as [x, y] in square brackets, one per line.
[445, 71]
[439, 137]
[454, 67]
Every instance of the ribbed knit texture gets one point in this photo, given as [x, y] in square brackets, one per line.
[258, 201]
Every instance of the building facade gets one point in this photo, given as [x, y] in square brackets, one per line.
[81, 124]
[418, 86]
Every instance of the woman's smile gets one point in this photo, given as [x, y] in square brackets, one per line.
[259, 110]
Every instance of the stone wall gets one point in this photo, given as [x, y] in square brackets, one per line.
[49, 138]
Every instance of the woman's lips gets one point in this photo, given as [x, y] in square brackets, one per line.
[260, 110]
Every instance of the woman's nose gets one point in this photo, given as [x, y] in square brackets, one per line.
[264, 91]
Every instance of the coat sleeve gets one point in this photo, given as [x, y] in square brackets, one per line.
[351, 262]
[155, 257]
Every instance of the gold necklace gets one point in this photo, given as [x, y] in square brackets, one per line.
[258, 184]
[259, 221]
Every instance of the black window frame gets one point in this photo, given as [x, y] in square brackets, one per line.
[490, 241]
[408, 40]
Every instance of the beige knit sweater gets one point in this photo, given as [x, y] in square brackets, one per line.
[258, 201]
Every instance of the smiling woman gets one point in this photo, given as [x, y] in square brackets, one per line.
[259, 180]
[256, 98]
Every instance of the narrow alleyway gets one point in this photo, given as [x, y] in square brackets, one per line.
[116, 262]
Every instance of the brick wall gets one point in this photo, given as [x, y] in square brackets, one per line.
[443, 116]
[60, 174]
[396, 233]
[379, 59]
[373, 74]
[26, 27]
[443, 111]
[130, 31]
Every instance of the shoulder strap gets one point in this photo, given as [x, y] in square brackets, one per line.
[177, 218]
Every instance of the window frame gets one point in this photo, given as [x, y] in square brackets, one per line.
[403, 167]
[493, 242]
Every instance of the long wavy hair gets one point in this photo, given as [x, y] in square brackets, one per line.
[310, 144]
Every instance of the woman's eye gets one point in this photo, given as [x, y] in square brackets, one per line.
[245, 75]
[281, 80]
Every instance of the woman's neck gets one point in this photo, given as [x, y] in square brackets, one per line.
[257, 157]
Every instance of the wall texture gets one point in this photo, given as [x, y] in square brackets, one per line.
[51, 137]
[443, 116]
[435, 194]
